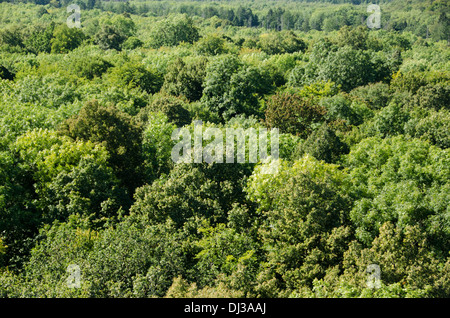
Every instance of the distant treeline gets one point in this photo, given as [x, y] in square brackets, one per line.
[293, 15]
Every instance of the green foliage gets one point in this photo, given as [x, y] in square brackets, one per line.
[217, 81]
[185, 79]
[231, 88]
[115, 131]
[199, 111]
[63, 177]
[89, 66]
[17, 120]
[132, 43]
[59, 177]
[348, 68]
[440, 29]
[408, 81]
[203, 191]
[433, 96]
[157, 144]
[109, 37]
[389, 121]
[323, 144]
[353, 37]
[280, 66]
[211, 45]
[305, 212]
[375, 95]
[45, 274]
[40, 39]
[174, 30]
[381, 171]
[408, 268]
[142, 265]
[292, 113]
[133, 75]
[433, 128]
[174, 108]
[123, 24]
[51, 90]
[281, 42]
[226, 251]
[66, 39]
[11, 39]
[341, 108]
[17, 219]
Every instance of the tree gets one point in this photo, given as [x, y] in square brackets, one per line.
[308, 73]
[132, 43]
[389, 121]
[216, 84]
[433, 127]
[11, 38]
[89, 66]
[51, 90]
[403, 182]
[157, 145]
[89, 177]
[40, 39]
[375, 95]
[353, 37]
[66, 39]
[281, 42]
[340, 108]
[124, 24]
[115, 131]
[143, 264]
[245, 17]
[63, 171]
[230, 88]
[441, 29]
[433, 96]
[109, 37]
[347, 67]
[129, 259]
[280, 66]
[305, 210]
[418, 270]
[131, 75]
[211, 44]
[408, 81]
[247, 88]
[323, 144]
[292, 113]
[18, 218]
[185, 78]
[227, 252]
[192, 191]
[174, 30]
[55, 177]
[174, 108]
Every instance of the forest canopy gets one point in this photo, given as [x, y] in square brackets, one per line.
[87, 176]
